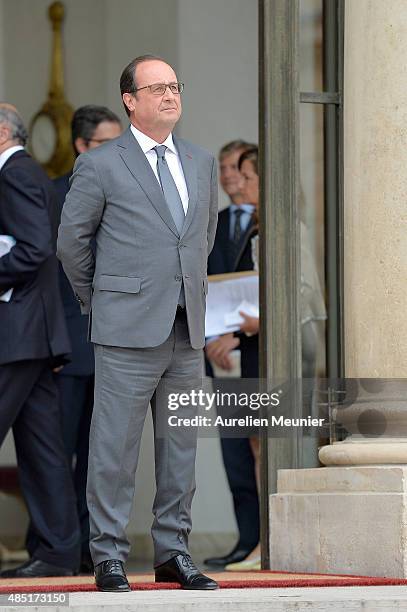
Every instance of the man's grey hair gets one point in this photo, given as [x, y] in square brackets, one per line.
[14, 123]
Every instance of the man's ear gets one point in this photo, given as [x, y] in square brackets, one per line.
[4, 134]
[129, 101]
[80, 145]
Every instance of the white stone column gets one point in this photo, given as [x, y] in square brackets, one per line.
[376, 188]
[351, 517]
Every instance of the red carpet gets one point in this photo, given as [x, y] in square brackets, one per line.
[227, 580]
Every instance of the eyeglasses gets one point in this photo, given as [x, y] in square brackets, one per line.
[158, 89]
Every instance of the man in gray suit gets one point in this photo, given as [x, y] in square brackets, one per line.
[150, 202]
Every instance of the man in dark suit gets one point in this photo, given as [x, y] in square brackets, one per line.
[33, 343]
[234, 224]
[91, 127]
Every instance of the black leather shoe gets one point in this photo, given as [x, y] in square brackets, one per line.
[110, 576]
[35, 568]
[237, 555]
[181, 569]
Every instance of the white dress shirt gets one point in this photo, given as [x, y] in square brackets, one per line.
[147, 145]
[8, 153]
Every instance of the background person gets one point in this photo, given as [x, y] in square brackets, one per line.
[234, 225]
[234, 222]
[312, 309]
[249, 332]
[33, 341]
[91, 127]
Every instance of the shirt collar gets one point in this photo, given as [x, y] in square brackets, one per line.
[247, 208]
[146, 143]
[8, 153]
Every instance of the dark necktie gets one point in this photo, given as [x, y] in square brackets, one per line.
[237, 233]
[172, 198]
[169, 188]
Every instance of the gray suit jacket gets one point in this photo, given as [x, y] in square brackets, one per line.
[131, 287]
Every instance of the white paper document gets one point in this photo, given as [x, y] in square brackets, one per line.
[6, 244]
[234, 318]
[227, 294]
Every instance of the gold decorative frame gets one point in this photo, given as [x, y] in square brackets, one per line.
[56, 108]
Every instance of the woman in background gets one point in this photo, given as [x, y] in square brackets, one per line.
[249, 329]
[312, 309]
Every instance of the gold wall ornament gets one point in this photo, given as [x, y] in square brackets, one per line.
[50, 128]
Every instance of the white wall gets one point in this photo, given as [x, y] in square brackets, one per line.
[213, 46]
[28, 38]
[134, 28]
[218, 60]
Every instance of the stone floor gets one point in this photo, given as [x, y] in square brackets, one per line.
[343, 599]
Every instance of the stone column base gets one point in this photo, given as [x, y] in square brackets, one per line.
[365, 452]
[348, 520]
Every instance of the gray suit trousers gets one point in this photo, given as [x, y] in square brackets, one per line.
[126, 381]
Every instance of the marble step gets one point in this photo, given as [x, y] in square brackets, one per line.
[342, 599]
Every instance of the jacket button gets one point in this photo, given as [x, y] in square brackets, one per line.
[178, 277]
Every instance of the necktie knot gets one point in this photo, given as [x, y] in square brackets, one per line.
[238, 213]
[160, 150]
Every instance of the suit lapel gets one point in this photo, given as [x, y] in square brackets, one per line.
[191, 179]
[136, 161]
